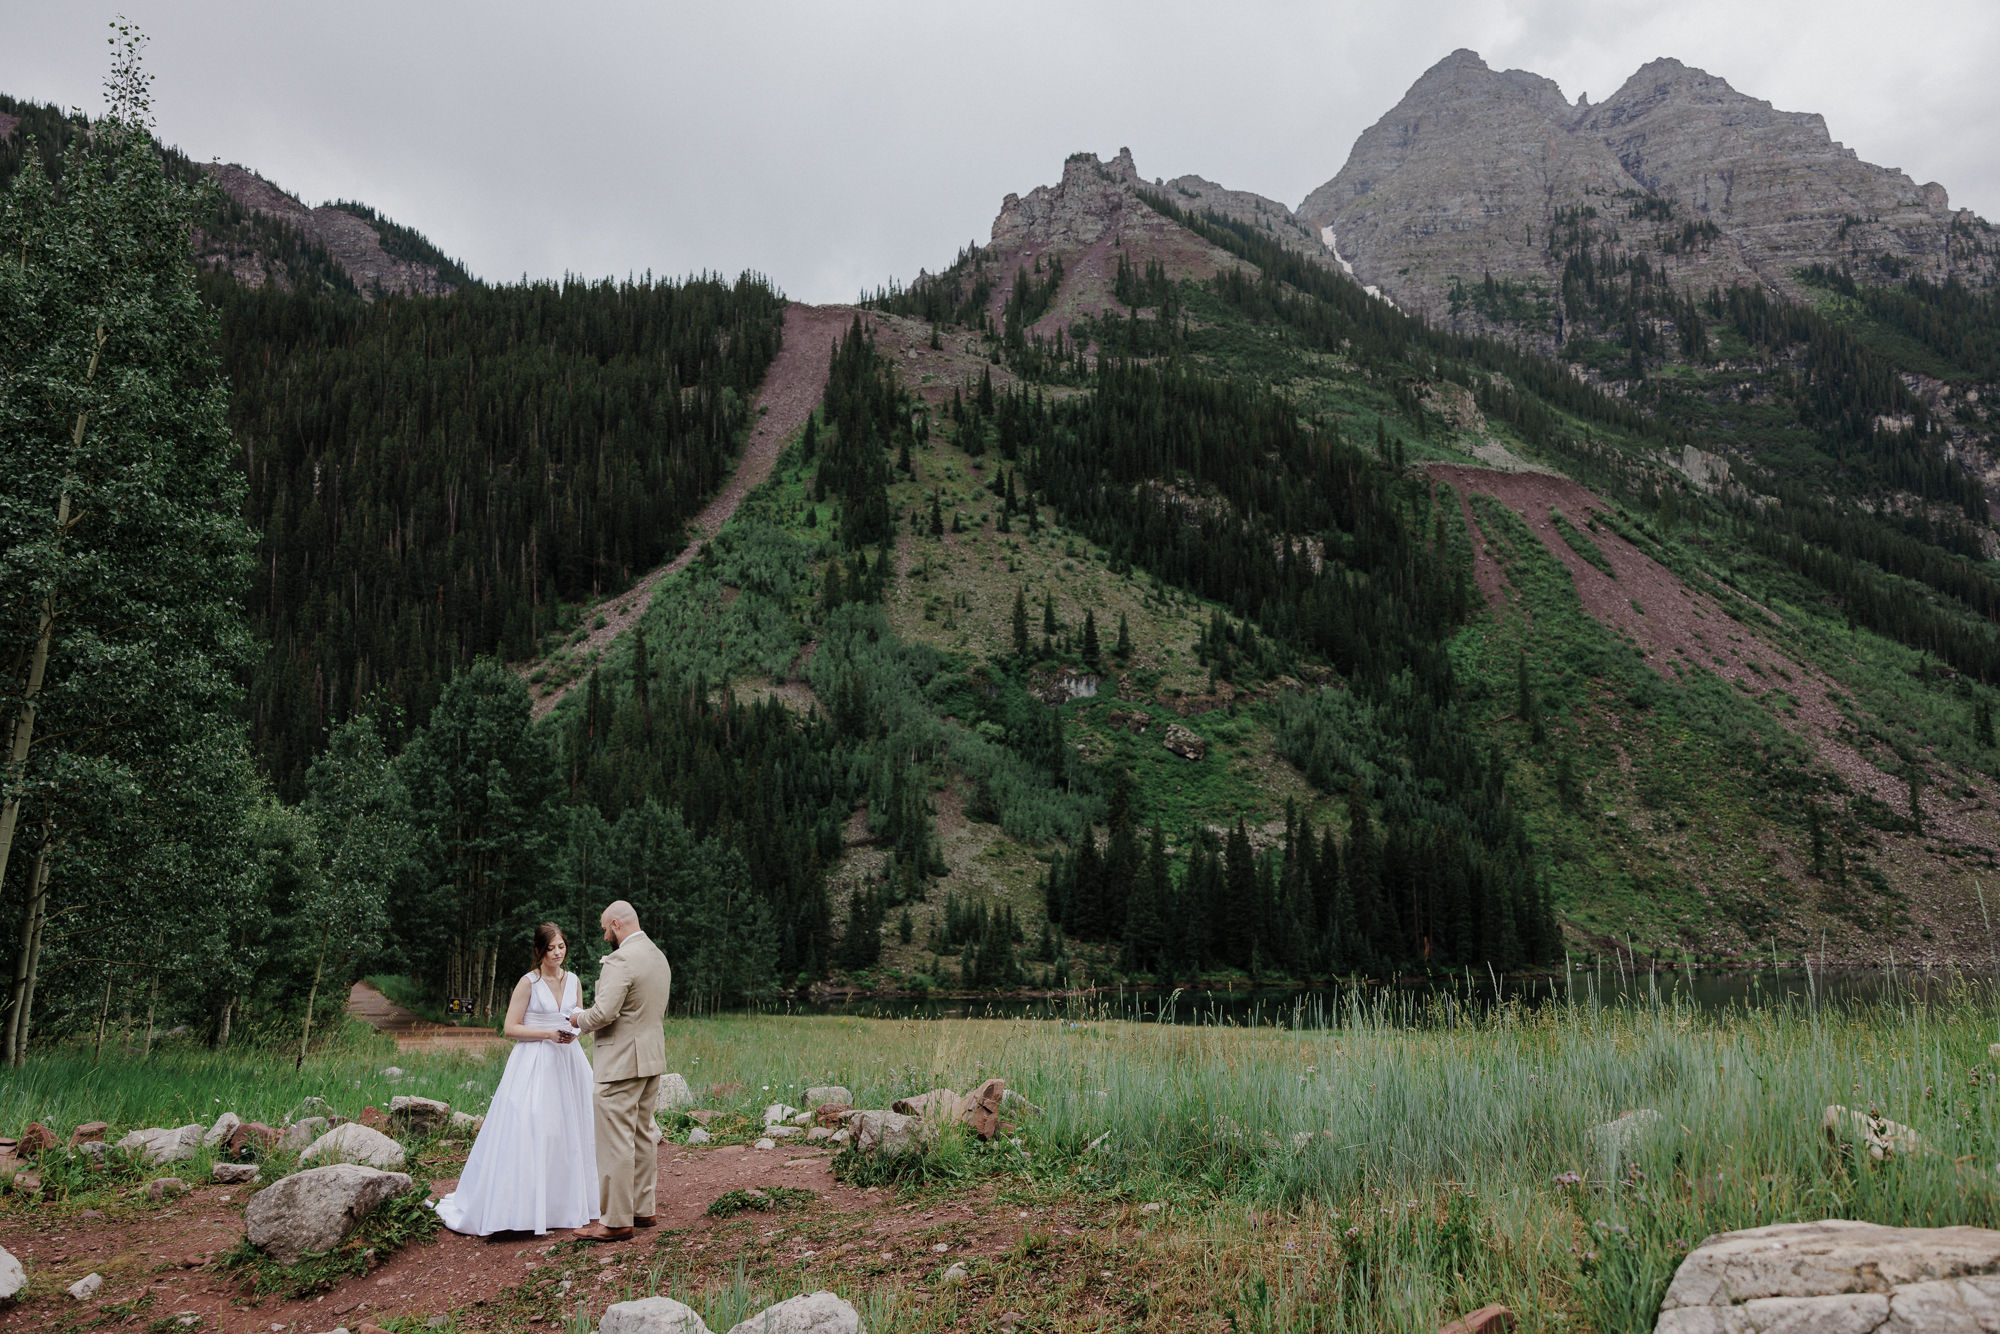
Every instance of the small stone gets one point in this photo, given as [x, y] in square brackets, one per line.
[89, 1215]
[940, 1248]
[36, 1139]
[225, 1126]
[252, 1139]
[778, 1112]
[418, 1116]
[1491, 1319]
[301, 1134]
[393, 1072]
[233, 1174]
[94, 1149]
[90, 1132]
[825, 1093]
[86, 1287]
[1150, 1207]
[698, 1136]
[436, 1322]
[165, 1188]
[158, 1145]
[957, 1273]
[766, 1144]
[842, 1136]
[355, 1143]
[818, 1133]
[467, 1122]
[780, 1132]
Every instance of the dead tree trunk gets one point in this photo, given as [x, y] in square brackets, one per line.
[27, 963]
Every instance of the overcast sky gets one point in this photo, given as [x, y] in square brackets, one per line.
[832, 146]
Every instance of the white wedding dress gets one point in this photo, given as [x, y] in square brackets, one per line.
[534, 1165]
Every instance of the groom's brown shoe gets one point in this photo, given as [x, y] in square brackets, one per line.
[645, 1220]
[599, 1232]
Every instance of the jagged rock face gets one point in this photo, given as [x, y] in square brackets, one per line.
[1465, 177]
[351, 241]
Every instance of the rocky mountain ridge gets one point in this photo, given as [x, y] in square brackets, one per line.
[349, 239]
[1479, 171]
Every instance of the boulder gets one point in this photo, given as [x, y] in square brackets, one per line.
[1491, 1319]
[225, 1126]
[233, 1174]
[311, 1107]
[157, 1145]
[652, 1315]
[674, 1094]
[1877, 1136]
[980, 1109]
[824, 1093]
[315, 1210]
[890, 1134]
[300, 1134]
[252, 1139]
[418, 1116]
[1836, 1275]
[1621, 1137]
[36, 1139]
[355, 1143]
[13, 1277]
[165, 1188]
[1184, 742]
[814, 1313]
[90, 1132]
[938, 1105]
[777, 1112]
[86, 1287]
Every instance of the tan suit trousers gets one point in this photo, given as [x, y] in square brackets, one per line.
[628, 1164]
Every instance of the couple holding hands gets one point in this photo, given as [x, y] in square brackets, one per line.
[532, 1167]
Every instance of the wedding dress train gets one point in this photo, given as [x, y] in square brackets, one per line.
[534, 1165]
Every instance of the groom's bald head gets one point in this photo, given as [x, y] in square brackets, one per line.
[619, 921]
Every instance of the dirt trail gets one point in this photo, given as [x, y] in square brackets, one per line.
[383, 1015]
[1674, 625]
[791, 390]
[163, 1255]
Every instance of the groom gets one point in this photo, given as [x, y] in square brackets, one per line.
[631, 1056]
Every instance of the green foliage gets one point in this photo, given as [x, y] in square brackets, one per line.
[763, 1200]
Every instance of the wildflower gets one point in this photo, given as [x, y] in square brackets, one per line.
[1565, 1179]
[1354, 1232]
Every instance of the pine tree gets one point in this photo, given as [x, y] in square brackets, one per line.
[1021, 624]
[1124, 647]
[937, 517]
[1091, 654]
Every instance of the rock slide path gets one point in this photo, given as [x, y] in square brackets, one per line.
[1673, 624]
[792, 388]
[371, 1007]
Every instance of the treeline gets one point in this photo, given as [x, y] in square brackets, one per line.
[435, 478]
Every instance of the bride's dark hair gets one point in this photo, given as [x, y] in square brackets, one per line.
[546, 936]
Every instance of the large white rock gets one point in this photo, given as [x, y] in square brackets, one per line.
[314, 1210]
[158, 1144]
[418, 1116]
[225, 1126]
[814, 1313]
[890, 1134]
[355, 1143]
[12, 1276]
[652, 1315]
[674, 1094]
[777, 1113]
[822, 1094]
[1837, 1276]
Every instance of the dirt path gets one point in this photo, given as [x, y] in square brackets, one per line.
[791, 390]
[161, 1256]
[1674, 625]
[371, 1007]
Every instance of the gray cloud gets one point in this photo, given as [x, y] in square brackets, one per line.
[832, 147]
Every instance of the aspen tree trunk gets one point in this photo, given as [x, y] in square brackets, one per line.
[312, 999]
[24, 720]
[152, 1008]
[22, 995]
[103, 1013]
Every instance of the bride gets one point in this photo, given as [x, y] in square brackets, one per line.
[534, 1165]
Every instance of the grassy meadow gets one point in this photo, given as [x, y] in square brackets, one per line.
[1356, 1170]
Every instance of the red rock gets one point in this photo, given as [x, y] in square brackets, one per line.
[90, 1132]
[374, 1120]
[250, 1140]
[1486, 1320]
[37, 1138]
[981, 1108]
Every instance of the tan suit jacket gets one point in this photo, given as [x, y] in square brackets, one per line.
[626, 1019]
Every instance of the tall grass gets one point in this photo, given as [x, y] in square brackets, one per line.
[1415, 1169]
